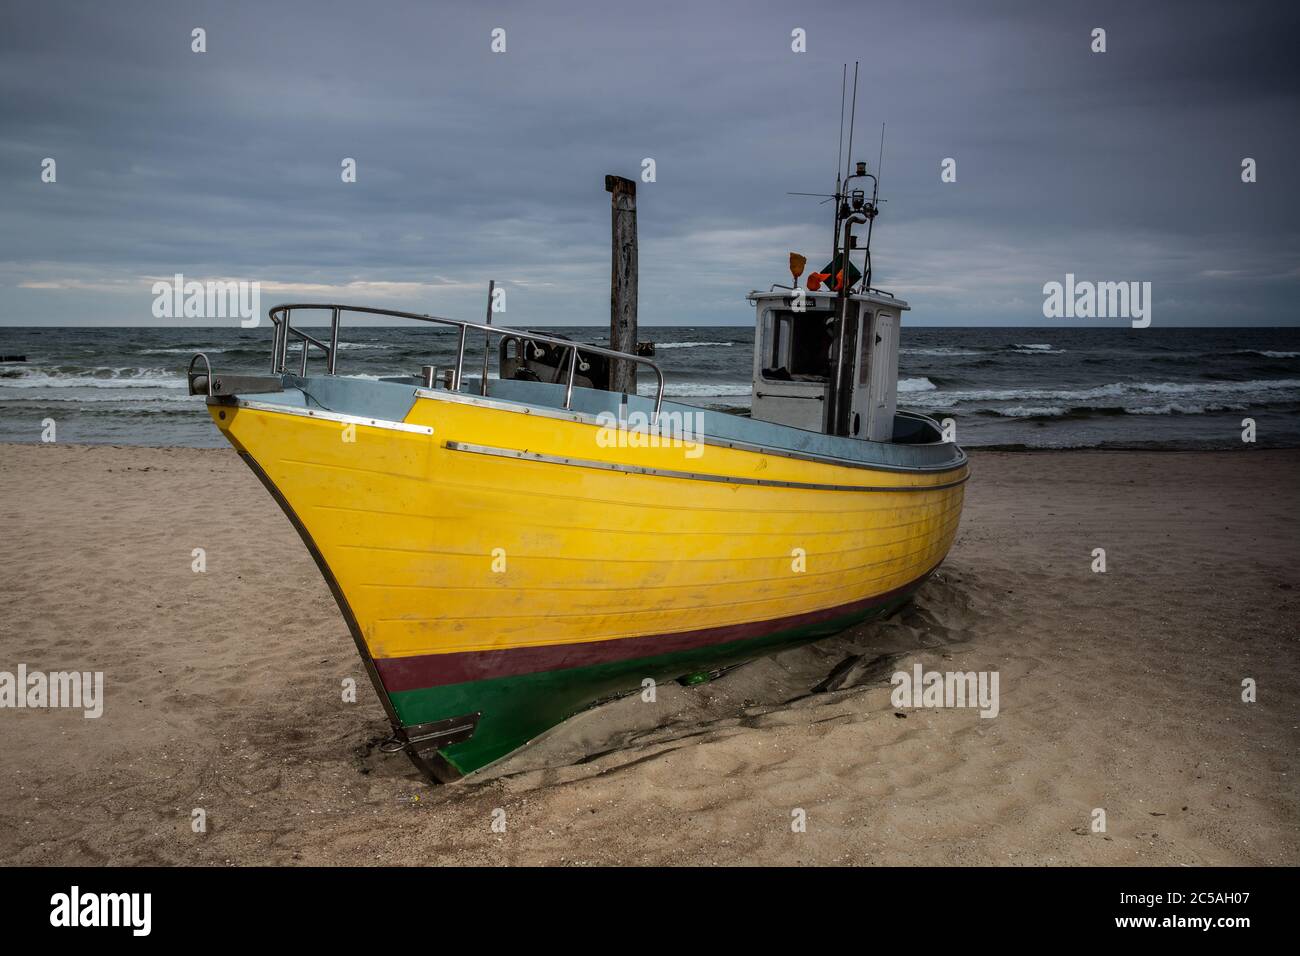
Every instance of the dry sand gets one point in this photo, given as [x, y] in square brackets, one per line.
[1119, 691]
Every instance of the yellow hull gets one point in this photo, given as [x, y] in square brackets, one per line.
[441, 550]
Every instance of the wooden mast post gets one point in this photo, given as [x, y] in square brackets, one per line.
[623, 282]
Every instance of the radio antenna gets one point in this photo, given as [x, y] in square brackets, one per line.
[853, 113]
[839, 165]
[839, 155]
[880, 163]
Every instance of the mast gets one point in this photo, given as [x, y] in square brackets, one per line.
[839, 162]
[851, 208]
[844, 338]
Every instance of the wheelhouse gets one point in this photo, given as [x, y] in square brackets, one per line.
[795, 360]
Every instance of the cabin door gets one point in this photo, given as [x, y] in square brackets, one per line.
[875, 397]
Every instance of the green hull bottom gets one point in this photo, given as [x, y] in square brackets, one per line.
[517, 708]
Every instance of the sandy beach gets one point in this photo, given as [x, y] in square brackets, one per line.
[1120, 691]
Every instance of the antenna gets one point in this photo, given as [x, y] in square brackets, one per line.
[875, 204]
[880, 163]
[839, 155]
[853, 113]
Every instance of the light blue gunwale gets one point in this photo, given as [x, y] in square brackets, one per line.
[391, 399]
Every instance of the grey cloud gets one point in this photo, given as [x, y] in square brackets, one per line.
[474, 165]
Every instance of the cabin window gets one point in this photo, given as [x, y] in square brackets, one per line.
[798, 346]
[864, 351]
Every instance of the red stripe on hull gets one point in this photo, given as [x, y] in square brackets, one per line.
[435, 670]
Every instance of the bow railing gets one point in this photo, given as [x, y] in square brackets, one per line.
[285, 333]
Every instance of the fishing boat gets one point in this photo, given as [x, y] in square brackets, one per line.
[508, 549]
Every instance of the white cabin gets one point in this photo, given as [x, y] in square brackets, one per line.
[794, 360]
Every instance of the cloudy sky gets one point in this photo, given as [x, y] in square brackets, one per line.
[474, 165]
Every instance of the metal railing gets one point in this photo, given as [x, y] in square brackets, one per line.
[282, 317]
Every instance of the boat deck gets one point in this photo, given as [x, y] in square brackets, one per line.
[916, 446]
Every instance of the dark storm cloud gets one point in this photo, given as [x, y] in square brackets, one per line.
[471, 165]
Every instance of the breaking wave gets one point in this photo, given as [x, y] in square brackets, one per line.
[90, 378]
[1267, 353]
[938, 351]
[1117, 399]
[1086, 411]
[916, 385]
[1037, 348]
[690, 345]
[696, 389]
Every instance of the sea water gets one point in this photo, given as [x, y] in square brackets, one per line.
[1045, 387]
